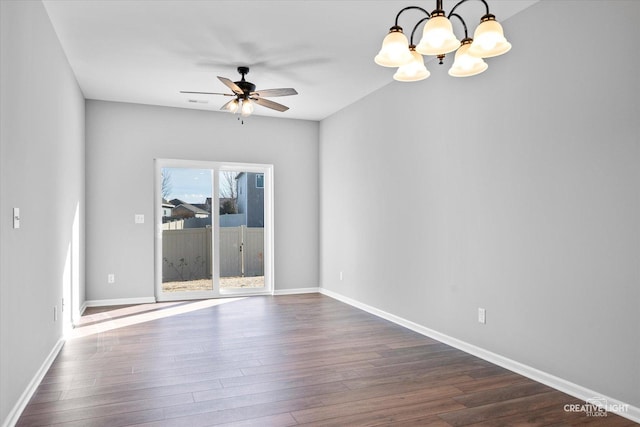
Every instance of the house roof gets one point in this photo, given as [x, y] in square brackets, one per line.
[202, 206]
[196, 210]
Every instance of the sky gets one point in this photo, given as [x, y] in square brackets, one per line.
[190, 185]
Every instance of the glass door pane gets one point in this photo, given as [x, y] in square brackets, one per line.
[241, 230]
[187, 238]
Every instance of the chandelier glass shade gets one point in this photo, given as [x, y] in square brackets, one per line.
[488, 39]
[395, 50]
[414, 70]
[465, 64]
[438, 39]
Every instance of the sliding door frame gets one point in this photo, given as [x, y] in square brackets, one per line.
[216, 167]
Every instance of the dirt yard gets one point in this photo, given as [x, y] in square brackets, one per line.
[206, 284]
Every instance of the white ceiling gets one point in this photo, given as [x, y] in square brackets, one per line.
[146, 52]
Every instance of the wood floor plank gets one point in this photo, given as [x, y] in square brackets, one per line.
[297, 364]
[248, 400]
[278, 361]
[292, 380]
[116, 420]
[332, 373]
[90, 412]
[345, 410]
[410, 413]
[236, 415]
[506, 408]
[118, 397]
[501, 394]
[491, 382]
[278, 420]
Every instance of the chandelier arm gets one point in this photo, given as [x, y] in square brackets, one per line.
[415, 28]
[408, 8]
[464, 24]
[486, 5]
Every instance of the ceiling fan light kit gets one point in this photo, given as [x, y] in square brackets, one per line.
[438, 39]
[246, 95]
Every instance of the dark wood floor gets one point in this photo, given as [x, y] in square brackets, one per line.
[279, 361]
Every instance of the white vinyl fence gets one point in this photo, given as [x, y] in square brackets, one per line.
[186, 253]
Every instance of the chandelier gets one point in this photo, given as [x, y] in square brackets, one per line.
[438, 39]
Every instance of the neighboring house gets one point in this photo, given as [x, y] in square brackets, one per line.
[251, 198]
[167, 209]
[187, 210]
[204, 206]
[176, 202]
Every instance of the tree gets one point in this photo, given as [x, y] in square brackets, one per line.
[166, 183]
[228, 207]
[228, 192]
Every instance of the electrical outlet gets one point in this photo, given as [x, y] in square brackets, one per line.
[139, 219]
[111, 278]
[341, 276]
[482, 315]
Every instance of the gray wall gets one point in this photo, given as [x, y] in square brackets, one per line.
[521, 188]
[122, 142]
[42, 173]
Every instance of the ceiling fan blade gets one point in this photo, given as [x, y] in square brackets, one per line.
[231, 85]
[208, 93]
[270, 104]
[275, 92]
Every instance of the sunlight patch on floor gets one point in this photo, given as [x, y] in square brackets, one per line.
[123, 317]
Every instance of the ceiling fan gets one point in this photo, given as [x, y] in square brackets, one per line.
[246, 95]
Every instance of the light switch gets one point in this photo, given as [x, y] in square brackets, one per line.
[482, 315]
[16, 217]
[139, 219]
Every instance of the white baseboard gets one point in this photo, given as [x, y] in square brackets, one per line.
[118, 301]
[312, 290]
[28, 393]
[83, 307]
[626, 410]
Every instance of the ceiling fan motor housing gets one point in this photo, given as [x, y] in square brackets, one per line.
[247, 87]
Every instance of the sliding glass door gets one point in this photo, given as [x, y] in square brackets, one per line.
[214, 229]
[241, 230]
[187, 236]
